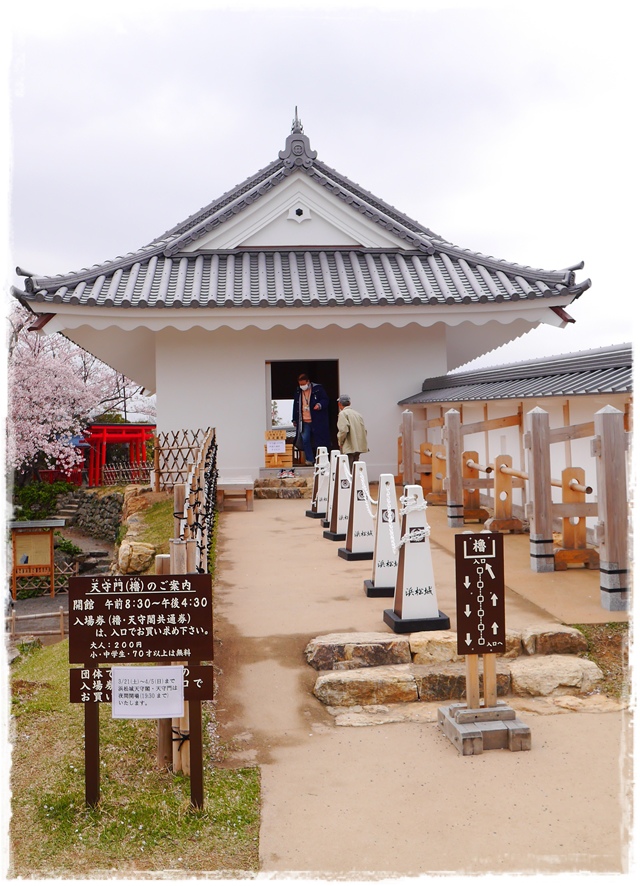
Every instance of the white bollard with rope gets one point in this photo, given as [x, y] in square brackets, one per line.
[333, 464]
[320, 491]
[361, 524]
[415, 605]
[337, 530]
[387, 537]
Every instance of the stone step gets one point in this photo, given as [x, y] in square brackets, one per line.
[532, 676]
[379, 668]
[344, 651]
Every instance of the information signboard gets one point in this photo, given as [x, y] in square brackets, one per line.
[127, 619]
[94, 684]
[480, 593]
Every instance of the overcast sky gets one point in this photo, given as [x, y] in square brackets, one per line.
[505, 127]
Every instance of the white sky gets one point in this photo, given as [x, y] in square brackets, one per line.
[506, 127]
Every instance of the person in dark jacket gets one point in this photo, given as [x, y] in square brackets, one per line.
[311, 416]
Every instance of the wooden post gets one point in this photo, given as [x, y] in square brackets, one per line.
[503, 486]
[164, 755]
[453, 484]
[539, 508]
[179, 495]
[407, 448]
[425, 461]
[180, 725]
[489, 680]
[91, 750]
[612, 529]
[473, 681]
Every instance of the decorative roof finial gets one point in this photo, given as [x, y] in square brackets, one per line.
[297, 150]
[296, 125]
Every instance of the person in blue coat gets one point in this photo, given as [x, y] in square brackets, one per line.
[311, 417]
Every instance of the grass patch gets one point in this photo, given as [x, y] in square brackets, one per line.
[157, 525]
[144, 821]
[608, 647]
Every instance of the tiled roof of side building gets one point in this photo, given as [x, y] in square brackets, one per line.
[600, 371]
[429, 270]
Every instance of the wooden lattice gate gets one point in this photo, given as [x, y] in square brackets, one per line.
[174, 453]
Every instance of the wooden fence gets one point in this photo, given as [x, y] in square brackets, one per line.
[450, 475]
[194, 513]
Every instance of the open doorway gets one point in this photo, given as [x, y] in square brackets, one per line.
[282, 378]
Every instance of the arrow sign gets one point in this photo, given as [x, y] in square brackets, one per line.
[479, 580]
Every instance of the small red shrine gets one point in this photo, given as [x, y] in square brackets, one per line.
[98, 436]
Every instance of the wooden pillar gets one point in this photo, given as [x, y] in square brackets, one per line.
[453, 484]
[407, 448]
[539, 508]
[612, 529]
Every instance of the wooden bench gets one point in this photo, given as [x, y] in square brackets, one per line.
[235, 487]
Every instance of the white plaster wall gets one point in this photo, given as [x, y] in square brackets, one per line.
[218, 379]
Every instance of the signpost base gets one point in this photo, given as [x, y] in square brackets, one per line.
[346, 554]
[474, 730]
[316, 514]
[372, 590]
[334, 536]
[399, 625]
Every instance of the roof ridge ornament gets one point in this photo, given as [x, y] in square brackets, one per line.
[296, 124]
[297, 150]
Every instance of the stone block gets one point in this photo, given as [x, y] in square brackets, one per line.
[429, 647]
[554, 640]
[343, 651]
[135, 557]
[553, 675]
[439, 682]
[366, 686]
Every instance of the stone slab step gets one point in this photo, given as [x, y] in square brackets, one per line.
[345, 651]
[534, 675]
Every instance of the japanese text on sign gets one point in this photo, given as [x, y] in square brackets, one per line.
[146, 693]
[94, 684]
[142, 618]
[480, 593]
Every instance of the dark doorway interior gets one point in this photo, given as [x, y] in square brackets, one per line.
[284, 381]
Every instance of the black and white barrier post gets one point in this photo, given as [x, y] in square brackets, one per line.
[387, 537]
[333, 465]
[320, 491]
[361, 525]
[415, 605]
[337, 530]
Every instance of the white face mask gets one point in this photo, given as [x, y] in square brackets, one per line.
[304, 387]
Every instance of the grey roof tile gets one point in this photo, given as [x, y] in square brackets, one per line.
[600, 371]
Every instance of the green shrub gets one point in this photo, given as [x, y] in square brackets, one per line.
[37, 501]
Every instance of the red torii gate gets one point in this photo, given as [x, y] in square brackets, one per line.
[99, 435]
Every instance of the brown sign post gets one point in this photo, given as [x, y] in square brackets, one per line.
[128, 620]
[475, 726]
[480, 609]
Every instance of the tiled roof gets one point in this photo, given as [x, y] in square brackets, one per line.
[305, 278]
[428, 271]
[601, 371]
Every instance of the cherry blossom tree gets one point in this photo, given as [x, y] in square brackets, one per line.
[54, 389]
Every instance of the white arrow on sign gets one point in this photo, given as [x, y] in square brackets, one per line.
[494, 599]
[495, 628]
[489, 570]
[468, 640]
[467, 610]
[466, 581]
